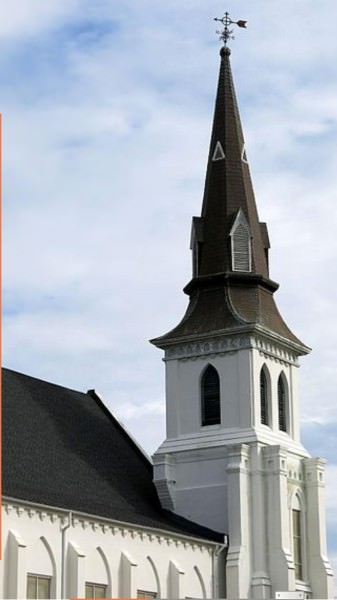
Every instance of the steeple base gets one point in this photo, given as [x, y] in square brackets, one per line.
[260, 496]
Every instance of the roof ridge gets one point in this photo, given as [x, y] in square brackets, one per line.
[99, 400]
[32, 377]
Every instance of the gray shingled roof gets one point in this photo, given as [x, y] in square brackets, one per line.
[64, 448]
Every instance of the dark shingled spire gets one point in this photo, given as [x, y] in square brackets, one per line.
[228, 185]
[231, 288]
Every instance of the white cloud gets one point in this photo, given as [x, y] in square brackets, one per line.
[21, 18]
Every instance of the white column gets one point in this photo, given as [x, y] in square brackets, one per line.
[75, 572]
[174, 580]
[260, 582]
[281, 565]
[238, 567]
[127, 583]
[319, 569]
[16, 566]
[172, 383]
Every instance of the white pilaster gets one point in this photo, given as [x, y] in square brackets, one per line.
[321, 576]
[260, 581]
[127, 583]
[16, 583]
[238, 568]
[175, 580]
[75, 571]
[281, 565]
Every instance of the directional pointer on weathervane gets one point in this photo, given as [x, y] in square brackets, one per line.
[227, 33]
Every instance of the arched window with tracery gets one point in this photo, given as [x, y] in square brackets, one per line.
[210, 397]
[282, 404]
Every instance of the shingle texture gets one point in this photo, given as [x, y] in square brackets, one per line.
[221, 299]
[63, 448]
[228, 185]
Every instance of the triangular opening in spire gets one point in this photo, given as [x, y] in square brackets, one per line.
[244, 155]
[218, 153]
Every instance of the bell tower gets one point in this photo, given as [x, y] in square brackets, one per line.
[232, 459]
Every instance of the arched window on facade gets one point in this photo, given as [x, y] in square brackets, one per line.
[210, 397]
[282, 404]
[264, 398]
[297, 534]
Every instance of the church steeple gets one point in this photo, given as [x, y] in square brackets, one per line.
[230, 286]
[232, 458]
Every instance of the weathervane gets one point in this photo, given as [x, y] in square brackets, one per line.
[227, 33]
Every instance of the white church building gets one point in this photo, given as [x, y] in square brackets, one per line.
[231, 505]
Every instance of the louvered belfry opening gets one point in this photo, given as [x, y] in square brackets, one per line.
[241, 248]
[264, 398]
[210, 397]
[282, 408]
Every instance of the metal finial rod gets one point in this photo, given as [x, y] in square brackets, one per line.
[227, 33]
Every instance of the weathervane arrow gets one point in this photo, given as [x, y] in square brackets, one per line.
[227, 33]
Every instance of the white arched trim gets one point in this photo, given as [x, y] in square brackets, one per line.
[297, 500]
[155, 572]
[50, 553]
[107, 568]
[201, 581]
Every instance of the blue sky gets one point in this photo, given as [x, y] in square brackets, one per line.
[107, 111]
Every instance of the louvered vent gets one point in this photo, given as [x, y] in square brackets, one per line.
[241, 248]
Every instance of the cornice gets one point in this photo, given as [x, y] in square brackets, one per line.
[207, 347]
[218, 345]
[106, 526]
[214, 443]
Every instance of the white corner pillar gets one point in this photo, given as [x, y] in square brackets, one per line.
[127, 582]
[175, 580]
[321, 576]
[260, 581]
[75, 572]
[16, 584]
[281, 564]
[238, 567]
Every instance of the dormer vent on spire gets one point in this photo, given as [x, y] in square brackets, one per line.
[241, 252]
[218, 152]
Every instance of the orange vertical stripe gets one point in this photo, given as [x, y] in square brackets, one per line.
[1, 335]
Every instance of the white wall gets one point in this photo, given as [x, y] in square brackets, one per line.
[124, 558]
